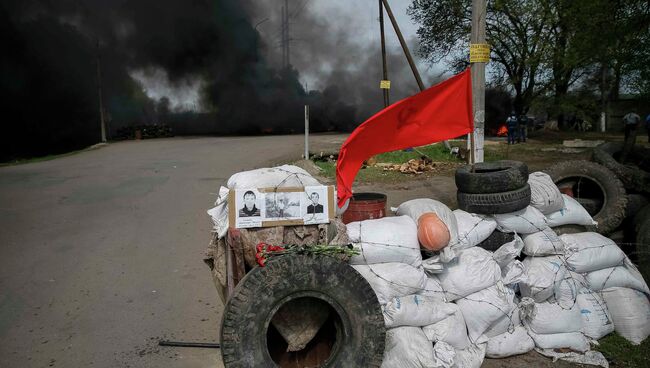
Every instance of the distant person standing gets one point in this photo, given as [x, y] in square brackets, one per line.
[631, 121]
[523, 126]
[512, 124]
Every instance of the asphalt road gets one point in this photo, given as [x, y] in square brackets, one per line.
[101, 251]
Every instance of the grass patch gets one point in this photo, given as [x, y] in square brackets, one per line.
[369, 174]
[437, 152]
[621, 353]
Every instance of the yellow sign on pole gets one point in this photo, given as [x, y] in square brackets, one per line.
[384, 84]
[479, 53]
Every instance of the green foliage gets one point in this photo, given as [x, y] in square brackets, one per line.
[621, 353]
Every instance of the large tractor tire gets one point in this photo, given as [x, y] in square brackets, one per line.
[356, 323]
[491, 177]
[597, 184]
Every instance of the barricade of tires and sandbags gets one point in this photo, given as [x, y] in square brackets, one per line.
[504, 283]
[451, 287]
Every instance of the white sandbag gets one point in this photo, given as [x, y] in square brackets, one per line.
[508, 251]
[544, 194]
[433, 265]
[407, 347]
[219, 213]
[389, 280]
[473, 270]
[451, 330]
[433, 289]
[626, 276]
[630, 311]
[484, 308]
[273, 177]
[570, 340]
[513, 273]
[590, 357]
[510, 343]
[444, 355]
[525, 221]
[471, 357]
[596, 320]
[543, 243]
[586, 252]
[416, 207]
[385, 240]
[543, 277]
[572, 214]
[567, 291]
[473, 228]
[415, 310]
[549, 318]
[504, 324]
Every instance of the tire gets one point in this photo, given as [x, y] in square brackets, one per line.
[635, 202]
[496, 240]
[632, 177]
[491, 177]
[493, 203]
[360, 331]
[594, 180]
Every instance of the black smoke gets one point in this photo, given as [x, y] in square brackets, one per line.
[49, 70]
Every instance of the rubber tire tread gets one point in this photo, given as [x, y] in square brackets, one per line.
[260, 293]
[496, 240]
[632, 178]
[510, 175]
[494, 203]
[613, 212]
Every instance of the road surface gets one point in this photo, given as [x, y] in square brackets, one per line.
[101, 251]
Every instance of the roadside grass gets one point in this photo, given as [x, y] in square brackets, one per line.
[621, 353]
[30, 160]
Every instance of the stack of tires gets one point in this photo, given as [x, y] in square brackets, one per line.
[493, 188]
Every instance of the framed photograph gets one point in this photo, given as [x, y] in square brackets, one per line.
[249, 206]
[263, 207]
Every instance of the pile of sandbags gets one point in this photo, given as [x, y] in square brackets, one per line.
[539, 291]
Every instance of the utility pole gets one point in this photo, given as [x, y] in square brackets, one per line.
[478, 59]
[99, 94]
[407, 53]
[386, 89]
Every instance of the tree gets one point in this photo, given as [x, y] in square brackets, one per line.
[516, 30]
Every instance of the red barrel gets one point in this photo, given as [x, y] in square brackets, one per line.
[365, 206]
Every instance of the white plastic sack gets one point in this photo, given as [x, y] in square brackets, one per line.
[471, 357]
[385, 240]
[572, 214]
[473, 270]
[590, 357]
[444, 355]
[544, 194]
[417, 207]
[451, 330]
[586, 252]
[483, 309]
[433, 289]
[630, 311]
[433, 265]
[525, 221]
[407, 347]
[570, 340]
[273, 177]
[543, 243]
[473, 228]
[596, 320]
[389, 280]
[219, 213]
[543, 277]
[626, 276]
[549, 318]
[510, 343]
[513, 273]
[505, 323]
[507, 253]
[415, 310]
[567, 292]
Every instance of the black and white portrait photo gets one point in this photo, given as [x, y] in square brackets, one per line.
[249, 205]
[315, 205]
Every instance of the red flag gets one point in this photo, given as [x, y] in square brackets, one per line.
[441, 112]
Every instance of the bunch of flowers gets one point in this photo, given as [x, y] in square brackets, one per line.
[265, 251]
